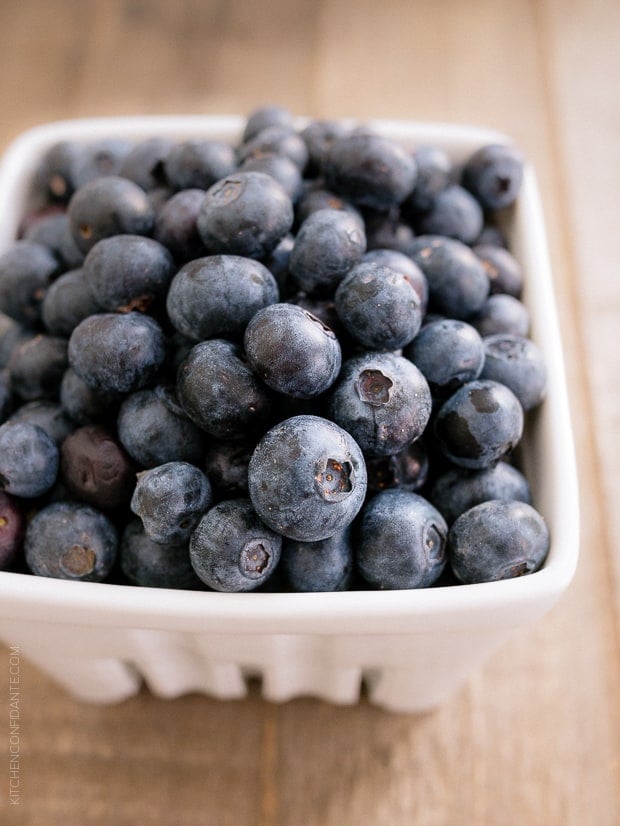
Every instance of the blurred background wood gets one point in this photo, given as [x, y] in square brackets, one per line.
[533, 737]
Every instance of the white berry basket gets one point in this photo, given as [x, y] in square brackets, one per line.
[410, 649]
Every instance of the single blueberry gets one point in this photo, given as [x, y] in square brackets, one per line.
[153, 565]
[28, 460]
[85, 405]
[37, 367]
[12, 525]
[26, 271]
[504, 271]
[226, 465]
[401, 263]
[502, 313]
[406, 470]
[175, 225]
[326, 565]
[454, 213]
[198, 164]
[281, 168]
[67, 302]
[282, 141]
[145, 163]
[494, 174]
[518, 363]
[54, 232]
[265, 116]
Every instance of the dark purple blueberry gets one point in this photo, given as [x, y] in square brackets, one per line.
[67, 302]
[37, 367]
[232, 550]
[458, 490]
[153, 565]
[145, 163]
[96, 469]
[405, 470]
[401, 541]
[246, 214]
[226, 465]
[455, 213]
[504, 271]
[498, 539]
[316, 198]
[220, 393]
[54, 232]
[28, 460]
[12, 335]
[448, 353]
[68, 540]
[402, 263]
[457, 282]
[175, 225]
[12, 524]
[328, 244]
[84, 404]
[494, 174]
[26, 271]
[326, 565]
[122, 353]
[170, 499]
[434, 172]
[292, 351]
[282, 169]
[319, 135]
[386, 230]
[109, 206]
[518, 363]
[218, 295]
[49, 416]
[481, 422]
[198, 164]
[370, 170]
[154, 429]
[275, 140]
[265, 116]
[502, 313]
[52, 176]
[101, 157]
[382, 400]
[378, 306]
[307, 478]
[128, 272]
[323, 308]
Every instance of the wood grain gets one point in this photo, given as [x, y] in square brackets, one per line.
[534, 736]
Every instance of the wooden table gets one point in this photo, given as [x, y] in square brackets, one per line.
[533, 737]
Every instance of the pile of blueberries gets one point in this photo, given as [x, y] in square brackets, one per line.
[296, 363]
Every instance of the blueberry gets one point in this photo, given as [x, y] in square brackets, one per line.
[457, 282]
[518, 363]
[382, 400]
[504, 271]
[406, 470]
[12, 335]
[370, 170]
[479, 424]
[28, 460]
[102, 157]
[96, 469]
[316, 198]
[275, 140]
[109, 206]
[67, 302]
[84, 404]
[502, 313]
[457, 490]
[153, 565]
[232, 550]
[175, 225]
[401, 541]
[121, 353]
[170, 499]
[265, 117]
[378, 306]
[307, 478]
[494, 174]
[48, 415]
[198, 164]
[217, 296]
[226, 465]
[26, 271]
[145, 163]
[219, 391]
[12, 524]
[292, 351]
[326, 565]
[52, 176]
[327, 245]
[319, 135]
[498, 539]
[448, 353]
[68, 540]
[434, 172]
[282, 169]
[455, 213]
[128, 272]
[154, 429]
[54, 232]
[386, 230]
[402, 263]
[246, 214]
[37, 367]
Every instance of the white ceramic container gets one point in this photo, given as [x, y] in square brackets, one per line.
[410, 649]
